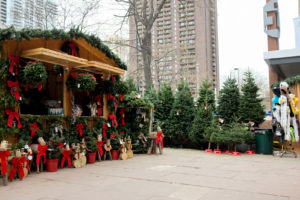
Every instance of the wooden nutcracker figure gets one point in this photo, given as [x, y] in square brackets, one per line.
[107, 152]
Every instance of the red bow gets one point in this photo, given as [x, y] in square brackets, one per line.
[112, 79]
[121, 97]
[11, 116]
[61, 145]
[40, 87]
[73, 75]
[33, 128]
[104, 128]
[3, 157]
[73, 46]
[99, 144]
[99, 111]
[113, 119]
[41, 152]
[122, 113]
[14, 86]
[159, 138]
[27, 165]
[17, 163]
[109, 97]
[113, 136]
[67, 156]
[79, 128]
[14, 62]
[98, 99]
[122, 132]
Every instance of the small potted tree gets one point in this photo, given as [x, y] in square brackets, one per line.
[249, 138]
[115, 143]
[236, 134]
[207, 136]
[218, 138]
[54, 153]
[91, 146]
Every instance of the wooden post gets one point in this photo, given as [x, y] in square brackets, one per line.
[105, 107]
[151, 124]
[67, 104]
[297, 94]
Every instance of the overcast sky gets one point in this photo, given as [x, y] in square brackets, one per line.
[242, 40]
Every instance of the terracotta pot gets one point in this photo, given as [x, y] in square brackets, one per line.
[52, 165]
[115, 154]
[91, 157]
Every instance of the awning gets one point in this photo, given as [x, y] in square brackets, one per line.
[99, 67]
[285, 62]
[63, 59]
[53, 57]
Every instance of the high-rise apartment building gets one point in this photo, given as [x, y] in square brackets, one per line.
[184, 45]
[28, 13]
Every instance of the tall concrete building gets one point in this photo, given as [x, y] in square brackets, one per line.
[28, 13]
[184, 45]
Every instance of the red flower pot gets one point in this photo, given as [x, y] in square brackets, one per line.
[208, 151]
[115, 154]
[91, 157]
[52, 165]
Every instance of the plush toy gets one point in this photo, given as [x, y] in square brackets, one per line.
[123, 153]
[129, 148]
[17, 166]
[99, 147]
[93, 108]
[284, 112]
[79, 158]
[29, 159]
[107, 153]
[40, 151]
[4, 154]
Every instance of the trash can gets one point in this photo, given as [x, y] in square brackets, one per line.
[264, 141]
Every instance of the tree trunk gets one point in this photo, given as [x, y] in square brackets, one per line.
[209, 145]
[147, 57]
[218, 146]
[234, 147]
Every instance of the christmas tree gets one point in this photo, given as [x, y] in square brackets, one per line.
[250, 108]
[204, 112]
[164, 106]
[229, 101]
[181, 116]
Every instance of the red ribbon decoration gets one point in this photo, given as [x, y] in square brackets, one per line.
[79, 128]
[14, 62]
[11, 116]
[73, 75]
[121, 97]
[33, 128]
[104, 128]
[99, 111]
[17, 164]
[73, 46]
[66, 154]
[122, 113]
[99, 144]
[113, 119]
[98, 99]
[113, 136]
[112, 79]
[3, 157]
[61, 145]
[41, 152]
[14, 85]
[109, 97]
[159, 138]
[27, 165]
[122, 132]
[40, 87]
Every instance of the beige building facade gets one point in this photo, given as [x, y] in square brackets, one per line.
[184, 45]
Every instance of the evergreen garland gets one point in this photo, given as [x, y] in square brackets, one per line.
[57, 34]
[291, 81]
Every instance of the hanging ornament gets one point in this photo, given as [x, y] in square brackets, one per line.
[177, 113]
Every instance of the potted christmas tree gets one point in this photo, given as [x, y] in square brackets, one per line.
[115, 143]
[249, 138]
[91, 146]
[54, 152]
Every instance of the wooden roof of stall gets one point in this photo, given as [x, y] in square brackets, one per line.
[94, 55]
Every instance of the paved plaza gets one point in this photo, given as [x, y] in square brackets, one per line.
[178, 174]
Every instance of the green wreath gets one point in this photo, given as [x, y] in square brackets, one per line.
[34, 73]
[81, 82]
